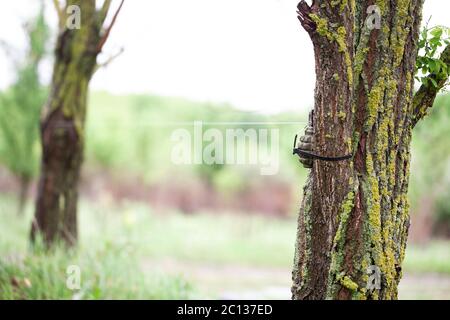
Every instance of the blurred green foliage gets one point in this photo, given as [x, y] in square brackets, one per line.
[133, 133]
[428, 61]
[430, 177]
[20, 106]
[109, 263]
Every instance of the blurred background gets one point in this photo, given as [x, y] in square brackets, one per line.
[152, 229]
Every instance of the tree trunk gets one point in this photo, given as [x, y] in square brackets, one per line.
[354, 214]
[62, 128]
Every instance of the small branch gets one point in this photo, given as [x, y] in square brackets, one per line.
[105, 36]
[60, 13]
[109, 61]
[424, 98]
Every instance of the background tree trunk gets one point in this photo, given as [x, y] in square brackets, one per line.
[354, 214]
[62, 128]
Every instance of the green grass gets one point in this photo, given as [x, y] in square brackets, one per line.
[431, 258]
[106, 273]
[119, 243]
[217, 238]
[109, 265]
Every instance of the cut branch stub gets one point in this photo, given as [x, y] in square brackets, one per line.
[304, 10]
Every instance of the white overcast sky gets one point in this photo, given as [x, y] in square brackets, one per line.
[250, 53]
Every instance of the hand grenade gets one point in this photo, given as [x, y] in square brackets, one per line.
[306, 143]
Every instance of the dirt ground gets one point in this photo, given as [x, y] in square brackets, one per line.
[231, 282]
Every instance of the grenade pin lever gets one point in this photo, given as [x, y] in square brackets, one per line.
[307, 154]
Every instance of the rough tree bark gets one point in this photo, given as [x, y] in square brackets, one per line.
[354, 214]
[62, 127]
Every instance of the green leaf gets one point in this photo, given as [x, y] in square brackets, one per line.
[434, 82]
[437, 32]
